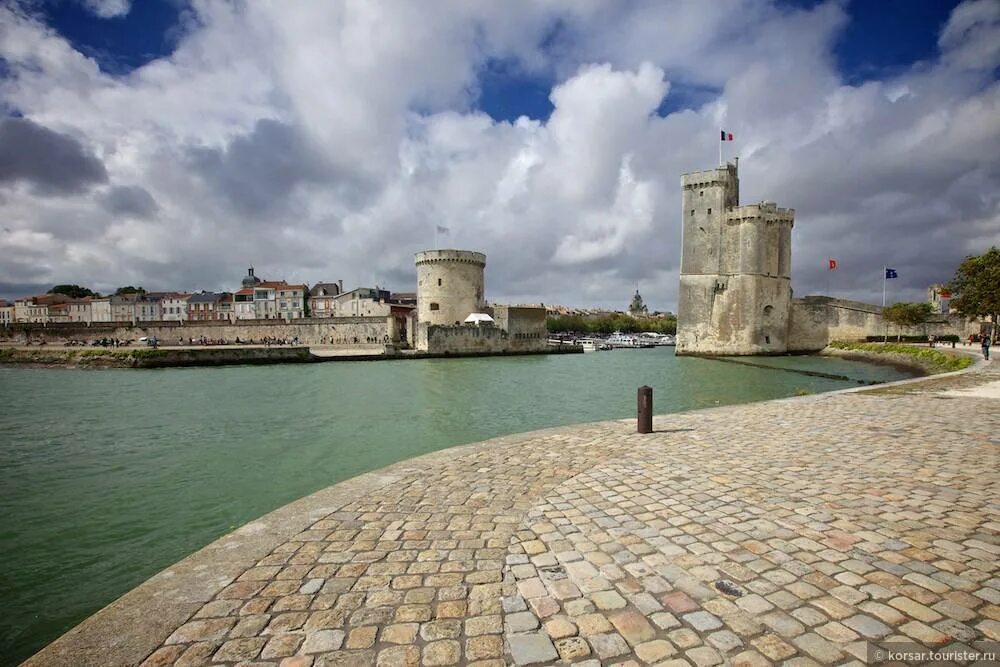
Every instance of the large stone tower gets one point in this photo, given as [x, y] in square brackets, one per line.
[735, 291]
[449, 285]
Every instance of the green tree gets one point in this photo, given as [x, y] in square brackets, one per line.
[906, 315]
[73, 291]
[129, 289]
[976, 285]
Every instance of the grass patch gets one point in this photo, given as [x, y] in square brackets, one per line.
[934, 360]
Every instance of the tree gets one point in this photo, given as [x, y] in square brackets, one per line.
[977, 285]
[129, 289]
[73, 291]
[906, 315]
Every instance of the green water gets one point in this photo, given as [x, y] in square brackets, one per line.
[109, 476]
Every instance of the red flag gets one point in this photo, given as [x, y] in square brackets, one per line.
[833, 264]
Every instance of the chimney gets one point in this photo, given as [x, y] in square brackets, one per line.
[340, 286]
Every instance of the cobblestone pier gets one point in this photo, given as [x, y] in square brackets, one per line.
[787, 531]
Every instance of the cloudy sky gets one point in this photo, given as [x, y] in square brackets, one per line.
[170, 143]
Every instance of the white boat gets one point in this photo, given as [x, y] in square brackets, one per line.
[658, 339]
[593, 344]
[589, 346]
[619, 340]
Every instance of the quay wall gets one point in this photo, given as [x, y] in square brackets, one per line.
[348, 331]
[473, 339]
[150, 358]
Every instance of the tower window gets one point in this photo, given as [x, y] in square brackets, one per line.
[701, 193]
[435, 306]
[439, 282]
[692, 212]
[710, 211]
[767, 340]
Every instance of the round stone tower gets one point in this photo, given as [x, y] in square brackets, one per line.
[449, 285]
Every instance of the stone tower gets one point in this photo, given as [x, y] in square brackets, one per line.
[449, 285]
[735, 292]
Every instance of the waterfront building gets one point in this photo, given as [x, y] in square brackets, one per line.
[35, 309]
[6, 313]
[225, 308]
[250, 279]
[100, 309]
[149, 307]
[243, 304]
[174, 307]
[58, 312]
[204, 306]
[360, 302]
[123, 307]
[276, 299]
[321, 298]
[79, 310]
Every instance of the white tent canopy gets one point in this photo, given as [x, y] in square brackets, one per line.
[478, 318]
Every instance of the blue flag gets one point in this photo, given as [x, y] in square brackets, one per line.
[891, 273]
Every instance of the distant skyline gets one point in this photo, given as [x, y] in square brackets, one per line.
[170, 144]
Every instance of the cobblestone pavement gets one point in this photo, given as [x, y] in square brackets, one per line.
[780, 531]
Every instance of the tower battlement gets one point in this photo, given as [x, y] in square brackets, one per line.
[767, 211]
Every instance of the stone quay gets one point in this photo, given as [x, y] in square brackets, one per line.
[793, 531]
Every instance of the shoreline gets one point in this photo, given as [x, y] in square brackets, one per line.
[921, 367]
[156, 608]
[74, 358]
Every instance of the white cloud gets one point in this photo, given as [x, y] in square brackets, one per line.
[108, 9]
[328, 140]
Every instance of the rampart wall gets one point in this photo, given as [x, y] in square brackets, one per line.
[815, 321]
[327, 331]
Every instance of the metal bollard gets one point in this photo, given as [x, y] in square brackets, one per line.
[644, 409]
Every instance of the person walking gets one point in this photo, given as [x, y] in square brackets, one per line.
[986, 348]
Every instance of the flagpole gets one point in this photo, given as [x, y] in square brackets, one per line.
[885, 270]
[885, 337]
[720, 152]
[435, 237]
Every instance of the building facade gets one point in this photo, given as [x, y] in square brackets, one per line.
[322, 297]
[735, 284]
[174, 307]
[6, 313]
[100, 309]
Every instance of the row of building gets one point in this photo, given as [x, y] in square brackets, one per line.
[255, 300]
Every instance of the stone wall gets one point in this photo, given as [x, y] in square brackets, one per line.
[473, 339]
[815, 321]
[347, 331]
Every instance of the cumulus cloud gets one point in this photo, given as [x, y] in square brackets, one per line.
[53, 163]
[328, 140]
[108, 9]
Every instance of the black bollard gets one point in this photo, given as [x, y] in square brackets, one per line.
[644, 409]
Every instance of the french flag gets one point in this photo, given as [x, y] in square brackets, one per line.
[726, 136]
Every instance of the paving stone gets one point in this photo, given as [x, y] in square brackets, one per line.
[924, 633]
[654, 651]
[750, 659]
[483, 647]
[818, 648]
[724, 640]
[239, 650]
[915, 609]
[773, 647]
[443, 652]
[605, 600]
[867, 627]
[572, 648]
[323, 641]
[702, 621]
[704, 656]
[610, 645]
[522, 621]
[531, 649]
[402, 656]
[684, 637]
